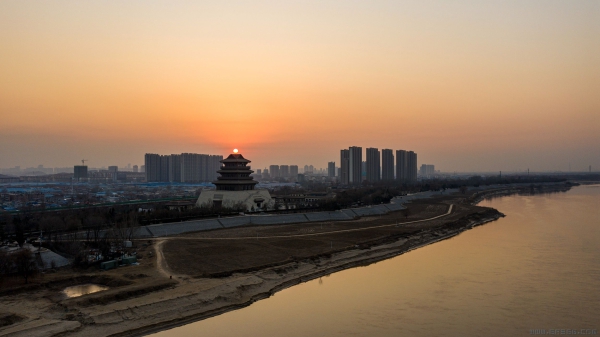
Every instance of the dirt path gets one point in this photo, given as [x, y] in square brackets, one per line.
[161, 262]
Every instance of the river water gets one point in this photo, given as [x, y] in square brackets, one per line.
[537, 268]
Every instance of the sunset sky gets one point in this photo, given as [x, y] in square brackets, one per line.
[468, 85]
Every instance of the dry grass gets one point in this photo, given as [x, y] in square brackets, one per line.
[207, 257]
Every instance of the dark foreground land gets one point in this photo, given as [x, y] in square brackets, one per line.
[190, 277]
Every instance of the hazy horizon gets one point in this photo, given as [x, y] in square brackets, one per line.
[301, 167]
[469, 86]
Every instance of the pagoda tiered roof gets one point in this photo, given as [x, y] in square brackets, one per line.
[234, 174]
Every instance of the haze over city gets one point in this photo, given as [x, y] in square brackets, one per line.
[299, 168]
[470, 86]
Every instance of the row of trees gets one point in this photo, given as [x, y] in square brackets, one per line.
[54, 224]
[72, 233]
[62, 229]
[21, 262]
[384, 191]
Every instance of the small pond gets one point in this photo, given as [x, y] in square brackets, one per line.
[83, 289]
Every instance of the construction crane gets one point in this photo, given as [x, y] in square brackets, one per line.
[83, 161]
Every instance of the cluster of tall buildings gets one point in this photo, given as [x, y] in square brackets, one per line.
[310, 169]
[290, 172]
[287, 172]
[427, 169]
[378, 166]
[185, 167]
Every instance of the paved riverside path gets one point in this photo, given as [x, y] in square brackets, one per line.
[175, 228]
[321, 233]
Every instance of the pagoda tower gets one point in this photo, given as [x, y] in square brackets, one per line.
[235, 188]
[235, 175]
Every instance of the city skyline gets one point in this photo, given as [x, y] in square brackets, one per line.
[167, 167]
[470, 86]
[130, 167]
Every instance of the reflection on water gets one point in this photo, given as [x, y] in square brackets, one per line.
[531, 192]
[537, 268]
[83, 289]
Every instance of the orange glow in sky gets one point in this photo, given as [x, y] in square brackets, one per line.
[468, 85]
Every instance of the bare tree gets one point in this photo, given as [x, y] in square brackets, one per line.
[19, 233]
[2, 231]
[25, 263]
[126, 228]
[51, 225]
[72, 223]
[239, 206]
[5, 264]
[94, 223]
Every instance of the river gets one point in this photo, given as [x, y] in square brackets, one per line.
[537, 268]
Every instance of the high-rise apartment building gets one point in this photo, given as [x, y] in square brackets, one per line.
[401, 166]
[191, 167]
[373, 165]
[174, 167]
[284, 171]
[164, 168]
[135, 168]
[214, 164]
[363, 171]
[411, 165]
[265, 174]
[274, 169]
[80, 172]
[344, 167]
[294, 172]
[427, 170]
[309, 169]
[355, 167]
[152, 166]
[185, 167]
[331, 169]
[114, 172]
[203, 158]
[387, 164]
